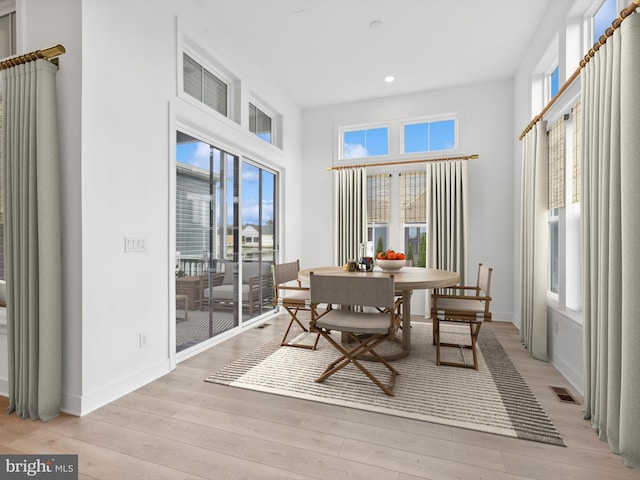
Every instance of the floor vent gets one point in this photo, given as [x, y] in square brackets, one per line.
[564, 395]
[263, 325]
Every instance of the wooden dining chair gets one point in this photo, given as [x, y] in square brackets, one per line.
[367, 329]
[466, 308]
[289, 293]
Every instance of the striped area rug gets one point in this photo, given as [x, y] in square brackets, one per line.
[494, 399]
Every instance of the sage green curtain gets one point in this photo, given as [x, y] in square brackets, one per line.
[350, 213]
[447, 187]
[610, 232]
[534, 241]
[32, 240]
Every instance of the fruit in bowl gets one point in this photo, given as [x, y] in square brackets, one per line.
[391, 261]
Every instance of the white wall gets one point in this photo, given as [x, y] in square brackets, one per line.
[485, 127]
[117, 160]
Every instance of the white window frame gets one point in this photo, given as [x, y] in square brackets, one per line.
[219, 71]
[276, 119]
[429, 119]
[358, 128]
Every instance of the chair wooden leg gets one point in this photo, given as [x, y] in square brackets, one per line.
[350, 357]
[474, 330]
[293, 312]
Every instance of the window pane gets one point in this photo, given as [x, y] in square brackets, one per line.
[377, 236]
[7, 35]
[259, 123]
[442, 135]
[603, 17]
[365, 143]
[553, 251]
[415, 244]
[192, 77]
[416, 138]
[377, 142]
[214, 93]
[354, 145]
[554, 82]
[263, 126]
[204, 86]
[430, 136]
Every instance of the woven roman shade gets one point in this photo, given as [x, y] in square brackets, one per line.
[556, 164]
[378, 198]
[413, 191]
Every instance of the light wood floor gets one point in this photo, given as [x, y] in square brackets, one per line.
[180, 427]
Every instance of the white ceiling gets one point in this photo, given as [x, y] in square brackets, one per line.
[324, 52]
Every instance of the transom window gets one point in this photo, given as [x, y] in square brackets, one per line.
[204, 86]
[602, 19]
[370, 142]
[429, 136]
[553, 83]
[260, 123]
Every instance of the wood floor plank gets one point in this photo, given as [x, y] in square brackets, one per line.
[180, 427]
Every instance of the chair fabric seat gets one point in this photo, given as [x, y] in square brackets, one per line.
[462, 305]
[300, 297]
[355, 322]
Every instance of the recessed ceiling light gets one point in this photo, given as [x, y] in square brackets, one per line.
[375, 24]
[389, 79]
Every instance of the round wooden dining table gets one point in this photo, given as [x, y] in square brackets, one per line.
[407, 279]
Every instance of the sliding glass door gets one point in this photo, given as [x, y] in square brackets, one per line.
[258, 236]
[225, 240]
[207, 241]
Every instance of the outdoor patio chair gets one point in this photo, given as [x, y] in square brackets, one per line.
[289, 293]
[367, 329]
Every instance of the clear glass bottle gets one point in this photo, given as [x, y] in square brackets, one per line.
[365, 262]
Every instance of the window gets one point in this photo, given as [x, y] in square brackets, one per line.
[204, 86]
[565, 275]
[397, 214]
[601, 20]
[260, 123]
[430, 136]
[378, 209]
[372, 142]
[557, 162]
[553, 82]
[8, 35]
[413, 215]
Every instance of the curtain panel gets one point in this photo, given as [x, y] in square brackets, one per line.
[534, 242]
[610, 231]
[32, 240]
[350, 213]
[447, 216]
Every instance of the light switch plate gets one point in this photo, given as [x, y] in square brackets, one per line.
[135, 244]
